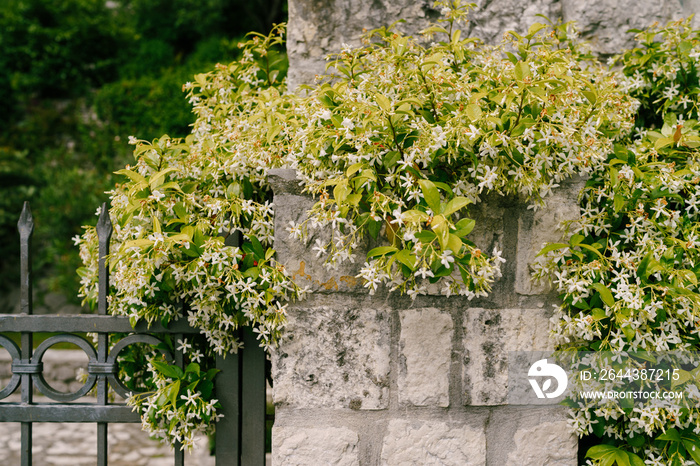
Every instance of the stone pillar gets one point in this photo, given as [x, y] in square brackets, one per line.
[383, 380]
[318, 28]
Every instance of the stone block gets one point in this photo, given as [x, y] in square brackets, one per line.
[314, 446]
[298, 257]
[333, 357]
[546, 444]
[318, 28]
[540, 227]
[423, 443]
[426, 348]
[489, 334]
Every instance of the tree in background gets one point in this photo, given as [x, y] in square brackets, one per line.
[77, 77]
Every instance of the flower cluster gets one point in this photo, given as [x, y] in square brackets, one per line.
[403, 138]
[629, 274]
[193, 228]
[180, 404]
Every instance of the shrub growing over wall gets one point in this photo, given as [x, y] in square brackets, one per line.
[398, 143]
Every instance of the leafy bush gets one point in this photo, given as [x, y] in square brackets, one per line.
[76, 79]
[629, 275]
[404, 138]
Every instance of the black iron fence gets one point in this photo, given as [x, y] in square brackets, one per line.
[239, 387]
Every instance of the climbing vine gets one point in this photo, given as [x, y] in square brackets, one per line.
[629, 274]
[397, 144]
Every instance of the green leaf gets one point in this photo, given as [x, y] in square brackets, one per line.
[534, 29]
[441, 228]
[381, 251]
[619, 202]
[464, 227]
[522, 71]
[374, 227]
[454, 243]
[341, 191]
[671, 435]
[383, 102]
[415, 216]
[455, 204]
[552, 247]
[693, 448]
[407, 258]
[605, 294]
[192, 367]
[354, 168]
[590, 96]
[622, 458]
[135, 177]
[473, 112]
[172, 392]
[168, 370]
[598, 452]
[391, 158]
[430, 194]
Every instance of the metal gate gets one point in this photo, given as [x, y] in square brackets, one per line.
[239, 387]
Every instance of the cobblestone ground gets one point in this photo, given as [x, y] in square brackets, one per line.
[75, 444]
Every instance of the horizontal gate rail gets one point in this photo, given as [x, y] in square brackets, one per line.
[239, 387]
[85, 323]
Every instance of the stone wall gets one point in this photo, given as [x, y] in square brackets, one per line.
[318, 28]
[383, 380]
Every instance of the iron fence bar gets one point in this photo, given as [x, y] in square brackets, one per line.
[84, 323]
[104, 233]
[180, 362]
[26, 229]
[253, 401]
[74, 412]
[227, 386]
[240, 386]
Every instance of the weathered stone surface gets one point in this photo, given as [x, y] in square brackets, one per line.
[546, 444]
[298, 257]
[604, 23]
[318, 28]
[333, 357]
[489, 334]
[540, 227]
[426, 347]
[314, 446]
[491, 19]
[432, 443]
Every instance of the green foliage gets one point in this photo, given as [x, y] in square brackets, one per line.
[406, 138]
[179, 212]
[629, 275]
[77, 78]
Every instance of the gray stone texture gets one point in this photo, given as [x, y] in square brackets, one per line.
[489, 334]
[536, 228]
[560, 448]
[295, 446]
[426, 346]
[333, 357]
[300, 260]
[318, 28]
[423, 443]
[382, 380]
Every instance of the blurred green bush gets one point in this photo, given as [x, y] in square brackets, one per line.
[77, 77]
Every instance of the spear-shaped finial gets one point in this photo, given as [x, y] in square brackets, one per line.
[25, 225]
[104, 224]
